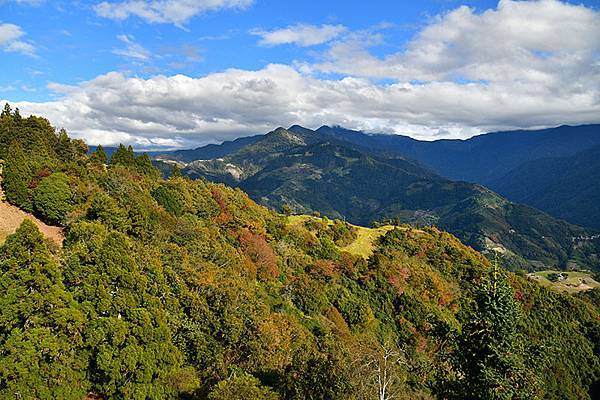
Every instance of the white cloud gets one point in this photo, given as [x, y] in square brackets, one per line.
[539, 42]
[187, 111]
[522, 65]
[176, 12]
[301, 34]
[132, 49]
[10, 36]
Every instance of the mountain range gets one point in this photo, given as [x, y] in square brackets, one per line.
[365, 178]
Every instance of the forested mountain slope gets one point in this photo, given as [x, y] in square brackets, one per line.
[567, 187]
[180, 289]
[312, 172]
[483, 158]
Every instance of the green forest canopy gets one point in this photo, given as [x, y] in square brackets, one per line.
[168, 289]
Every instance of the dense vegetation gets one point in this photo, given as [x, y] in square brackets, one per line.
[565, 187]
[187, 289]
[311, 171]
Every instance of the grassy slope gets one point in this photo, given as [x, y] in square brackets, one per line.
[366, 237]
[575, 282]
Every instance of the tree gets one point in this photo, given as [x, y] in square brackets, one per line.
[40, 324]
[106, 210]
[490, 354]
[381, 371]
[6, 111]
[170, 199]
[143, 165]
[242, 387]
[52, 198]
[123, 156]
[64, 147]
[17, 176]
[175, 172]
[286, 210]
[99, 155]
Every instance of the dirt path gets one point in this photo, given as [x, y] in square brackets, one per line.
[11, 217]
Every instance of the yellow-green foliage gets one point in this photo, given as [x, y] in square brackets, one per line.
[197, 292]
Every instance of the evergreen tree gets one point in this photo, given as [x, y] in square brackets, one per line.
[123, 156]
[53, 197]
[40, 324]
[6, 111]
[17, 177]
[175, 172]
[64, 147]
[99, 156]
[143, 165]
[490, 354]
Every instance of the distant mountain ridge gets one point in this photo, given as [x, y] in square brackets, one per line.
[483, 158]
[316, 171]
[567, 187]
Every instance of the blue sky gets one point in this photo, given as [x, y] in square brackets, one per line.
[55, 57]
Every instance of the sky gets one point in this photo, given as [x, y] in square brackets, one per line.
[181, 73]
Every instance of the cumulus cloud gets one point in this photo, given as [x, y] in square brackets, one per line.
[182, 111]
[303, 35]
[132, 49]
[176, 12]
[522, 65]
[529, 41]
[10, 40]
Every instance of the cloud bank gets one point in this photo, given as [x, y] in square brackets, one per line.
[522, 65]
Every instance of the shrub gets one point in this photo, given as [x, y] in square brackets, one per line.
[52, 198]
[241, 387]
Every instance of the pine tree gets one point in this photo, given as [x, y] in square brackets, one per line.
[143, 165]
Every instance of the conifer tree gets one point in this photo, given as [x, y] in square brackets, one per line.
[17, 176]
[123, 156]
[99, 156]
[490, 355]
[40, 324]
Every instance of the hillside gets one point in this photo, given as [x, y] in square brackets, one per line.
[309, 172]
[483, 158]
[182, 289]
[567, 187]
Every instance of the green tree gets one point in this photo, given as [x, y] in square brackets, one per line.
[64, 147]
[53, 198]
[286, 210]
[242, 387]
[40, 324]
[99, 155]
[123, 156]
[490, 354]
[170, 199]
[143, 165]
[175, 172]
[106, 210]
[17, 177]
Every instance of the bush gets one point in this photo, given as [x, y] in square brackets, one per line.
[52, 198]
[242, 387]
